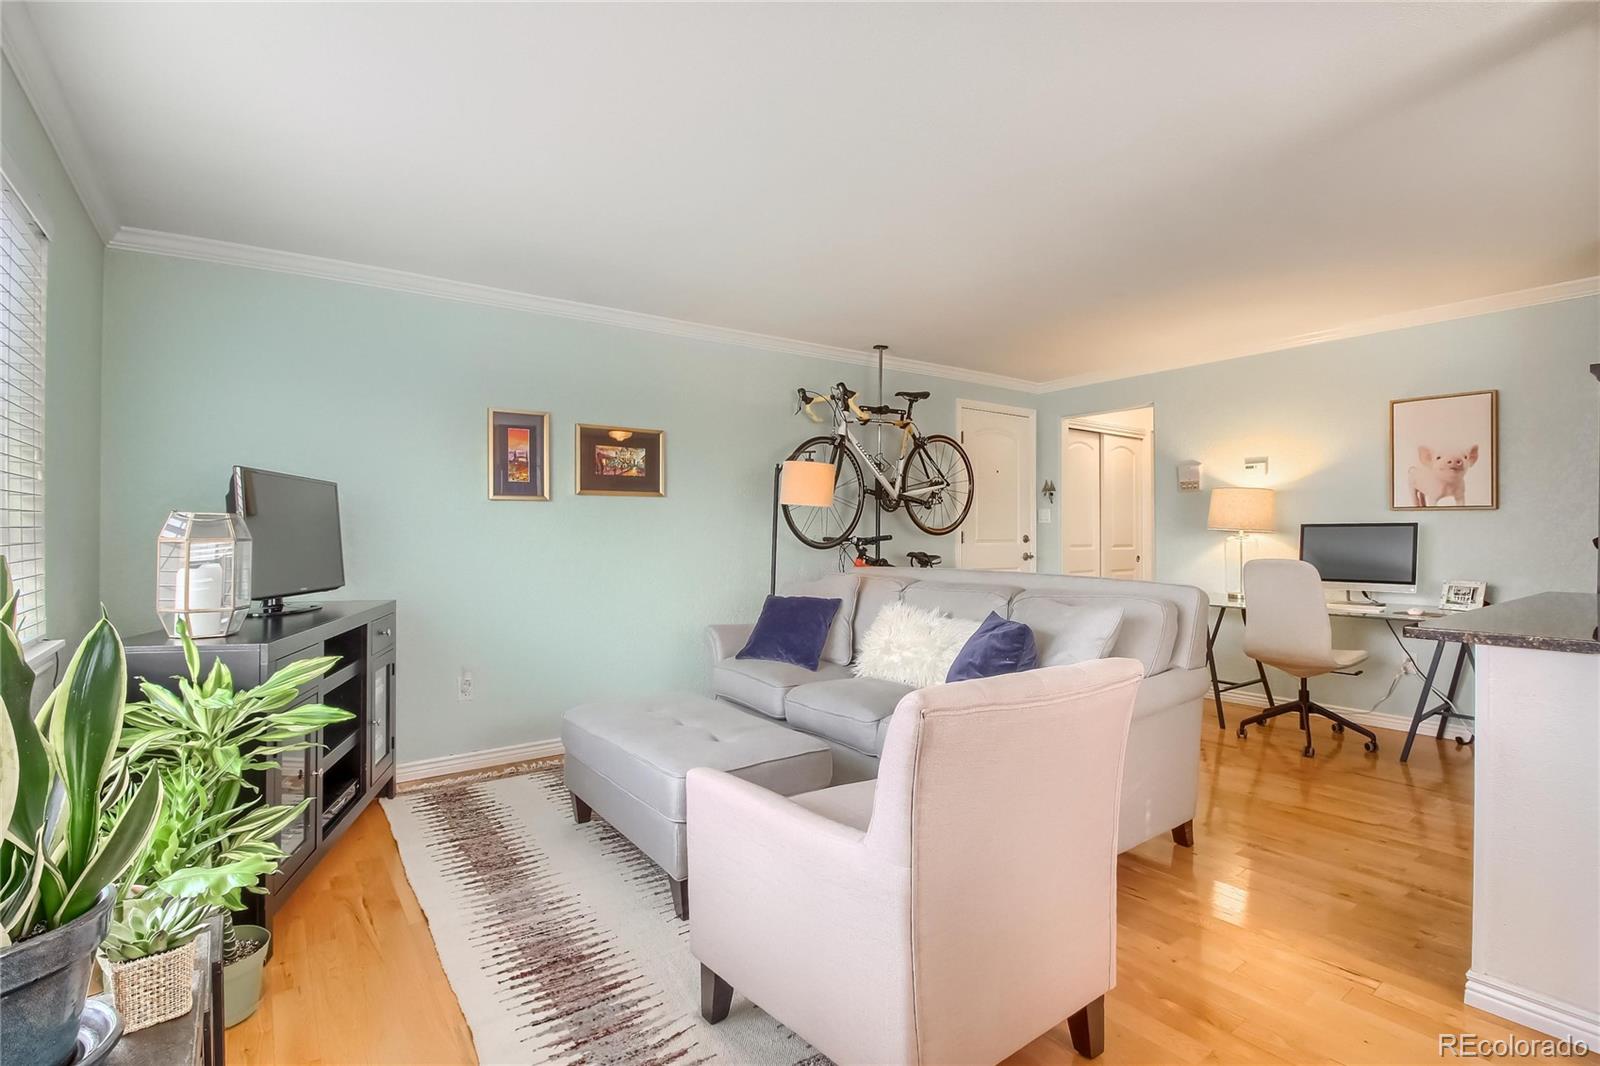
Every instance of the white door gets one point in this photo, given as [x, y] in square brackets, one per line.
[1105, 503]
[1080, 503]
[999, 532]
[1121, 506]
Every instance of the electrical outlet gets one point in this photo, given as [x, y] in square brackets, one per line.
[464, 685]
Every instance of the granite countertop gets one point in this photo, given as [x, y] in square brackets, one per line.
[1549, 621]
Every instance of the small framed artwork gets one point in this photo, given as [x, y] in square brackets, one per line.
[1462, 595]
[621, 461]
[519, 455]
[1444, 452]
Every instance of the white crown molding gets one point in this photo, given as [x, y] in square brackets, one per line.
[20, 43]
[470, 761]
[1422, 316]
[154, 242]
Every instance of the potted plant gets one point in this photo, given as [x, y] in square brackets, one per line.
[216, 839]
[75, 821]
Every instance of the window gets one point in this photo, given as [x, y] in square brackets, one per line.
[23, 242]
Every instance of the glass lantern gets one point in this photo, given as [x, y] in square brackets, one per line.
[203, 573]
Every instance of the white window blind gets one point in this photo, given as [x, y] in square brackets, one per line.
[22, 411]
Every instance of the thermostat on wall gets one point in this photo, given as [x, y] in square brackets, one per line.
[1189, 475]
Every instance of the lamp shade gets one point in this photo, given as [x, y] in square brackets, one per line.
[1241, 510]
[806, 484]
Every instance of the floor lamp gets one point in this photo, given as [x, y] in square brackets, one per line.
[797, 483]
[1242, 512]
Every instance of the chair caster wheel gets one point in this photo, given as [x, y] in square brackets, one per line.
[1241, 732]
[1371, 745]
[1338, 727]
[1309, 752]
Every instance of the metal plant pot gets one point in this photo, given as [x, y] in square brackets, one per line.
[43, 983]
[241, 980]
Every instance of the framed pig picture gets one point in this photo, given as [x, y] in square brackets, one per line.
[1444, 452]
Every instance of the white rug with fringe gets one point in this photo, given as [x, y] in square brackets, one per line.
[559, 939]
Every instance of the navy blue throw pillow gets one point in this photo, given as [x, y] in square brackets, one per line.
[997, 647]
[791, 629]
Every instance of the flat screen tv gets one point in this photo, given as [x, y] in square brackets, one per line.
[294, 528]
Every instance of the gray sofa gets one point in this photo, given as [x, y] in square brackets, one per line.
[1163, 627]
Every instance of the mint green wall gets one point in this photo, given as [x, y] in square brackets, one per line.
[72, 367]
[1320, 414]
[549, 604]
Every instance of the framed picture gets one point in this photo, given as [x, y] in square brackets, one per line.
[621, 461]
[1444, 452]
[519, 455]
[1462, 595]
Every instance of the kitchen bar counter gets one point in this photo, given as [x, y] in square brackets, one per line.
[1550, 621]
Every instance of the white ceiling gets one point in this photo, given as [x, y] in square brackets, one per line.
[1046, 192]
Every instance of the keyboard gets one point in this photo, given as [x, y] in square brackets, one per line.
[1356, 608]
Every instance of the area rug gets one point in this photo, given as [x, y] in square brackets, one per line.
[559, 939]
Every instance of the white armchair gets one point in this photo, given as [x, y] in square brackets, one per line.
[951, 911]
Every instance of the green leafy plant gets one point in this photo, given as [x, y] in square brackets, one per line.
[216, 839]
[75, 818]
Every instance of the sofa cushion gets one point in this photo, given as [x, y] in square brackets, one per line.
[997, 647]
[853, 711]
[849, 805]
[791, 629]
[877, 592]
[845, 589]
[961, 601]
[645, 747]
[1149, 625]
[761, 685]
[1070, 633]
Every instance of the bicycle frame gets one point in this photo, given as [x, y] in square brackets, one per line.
[893, 489]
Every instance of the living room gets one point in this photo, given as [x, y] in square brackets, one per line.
[504, 367]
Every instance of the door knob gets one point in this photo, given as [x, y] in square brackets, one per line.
[1026, 538]
[1026, 556]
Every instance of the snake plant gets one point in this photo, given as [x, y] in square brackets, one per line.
[75, 818]
[215, 840]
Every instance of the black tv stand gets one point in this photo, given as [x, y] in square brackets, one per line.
[274, 607]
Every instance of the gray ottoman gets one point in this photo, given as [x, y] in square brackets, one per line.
[627, 759]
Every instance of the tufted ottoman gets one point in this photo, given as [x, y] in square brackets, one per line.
[627, 760]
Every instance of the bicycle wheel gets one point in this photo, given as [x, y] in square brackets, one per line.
[827, 527]
[937, 490]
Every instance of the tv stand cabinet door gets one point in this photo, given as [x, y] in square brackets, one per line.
[295, 780]
[380, 716]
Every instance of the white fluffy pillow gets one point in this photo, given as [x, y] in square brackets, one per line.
[912, 645]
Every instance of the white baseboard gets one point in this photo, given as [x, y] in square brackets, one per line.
[1399, 723]
[468, 761]
[1525, 1007]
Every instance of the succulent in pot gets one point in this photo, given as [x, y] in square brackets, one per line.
[75, 820]
[216, 839]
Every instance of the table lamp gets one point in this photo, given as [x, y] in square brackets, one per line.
[1241, 512]
[798, 483]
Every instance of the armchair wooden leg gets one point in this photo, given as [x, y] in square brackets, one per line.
[581, 811]
[1183, 835]
[680, 898]
[1087, 1027]
[716, 996]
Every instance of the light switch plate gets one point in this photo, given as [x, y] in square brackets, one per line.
[1044, 516]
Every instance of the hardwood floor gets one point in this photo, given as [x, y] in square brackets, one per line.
[1323, 916]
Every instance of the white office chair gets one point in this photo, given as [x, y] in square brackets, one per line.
[1288, 627]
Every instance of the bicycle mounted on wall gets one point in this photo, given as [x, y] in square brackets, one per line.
[931, 476]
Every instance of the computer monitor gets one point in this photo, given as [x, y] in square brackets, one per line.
[1363, 556]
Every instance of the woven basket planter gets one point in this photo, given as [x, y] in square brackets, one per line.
[154, 989]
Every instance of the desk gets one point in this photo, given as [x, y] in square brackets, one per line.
[1388, 614]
